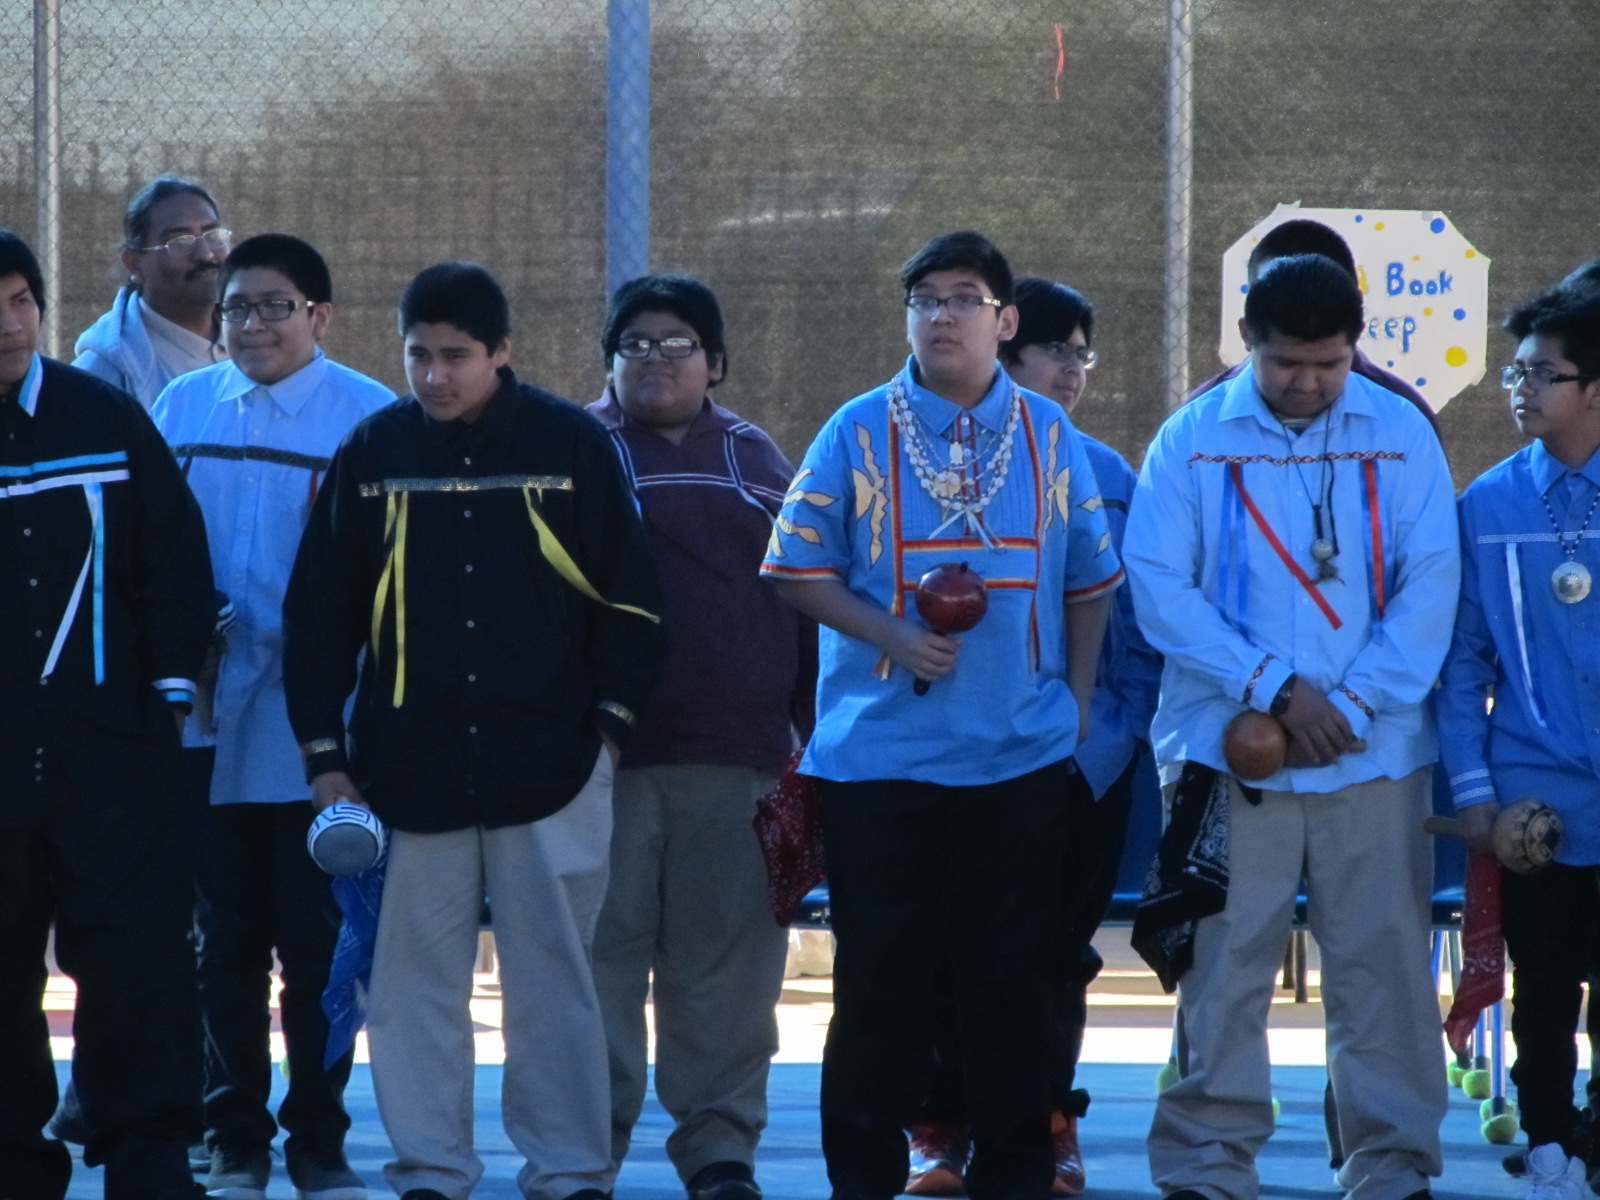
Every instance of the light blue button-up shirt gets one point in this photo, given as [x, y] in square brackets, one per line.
[254, 456]
[1129, 678]
[1538, 658]
[857, 513]
[1218, 600]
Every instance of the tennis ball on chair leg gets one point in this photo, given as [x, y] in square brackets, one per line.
[1476, 1084]
[1486, 1110]
[1167, 1076]
[1500, 1130]
[1453, 1073]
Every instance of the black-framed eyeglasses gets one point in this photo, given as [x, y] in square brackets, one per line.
[963, 304]
[213, 241]
[1538, 378]
[1066, 352]
[670, 347]
[237, 312]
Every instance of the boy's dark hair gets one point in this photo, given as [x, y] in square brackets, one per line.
[1573, 315]
[1307, 297]
[296, 260]
[462, 294]
[1585, 278]
[967, 250]
[684, 296]
[136, 218]
[1299, 236]
[1047, 312]
[16, 258]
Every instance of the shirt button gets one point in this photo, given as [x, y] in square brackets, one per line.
[468, 461]
[471, 624]
[472, 729]
[470, 679]
[38, 633]
[33, 583]
[469, 567]
[467, 513]
[27, 533]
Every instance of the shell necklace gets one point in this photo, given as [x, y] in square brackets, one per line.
[957, 479]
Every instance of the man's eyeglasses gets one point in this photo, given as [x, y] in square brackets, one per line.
[1538, 378]
[963, 304]
[212, 241]
[670, 347]
[1066, 352]
[237, 312]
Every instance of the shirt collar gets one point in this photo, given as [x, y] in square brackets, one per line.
[495, 414]
[712, 417]
[939, 414]
[189, 342]
[28, 391]
[290, 394]
[1243, 399]
[1548, 470]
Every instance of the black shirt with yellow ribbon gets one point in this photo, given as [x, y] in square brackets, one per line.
[492, 585]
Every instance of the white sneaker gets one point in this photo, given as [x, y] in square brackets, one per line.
[1554, 1176]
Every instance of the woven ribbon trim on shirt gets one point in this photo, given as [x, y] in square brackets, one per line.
[1234, 460]
[487, 483]
[1255, 677]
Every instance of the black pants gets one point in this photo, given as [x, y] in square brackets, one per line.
[925, 879]
[1550, 921]
[107, 859]
[258, 891]
[1096, 832]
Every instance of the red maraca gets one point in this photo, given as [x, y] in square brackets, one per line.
[951, 598]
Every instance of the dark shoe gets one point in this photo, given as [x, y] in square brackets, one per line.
[1069, 1179]
[723, 1181]
[1188, 1194]
[323, 1174]
[939, 1153]
[1516, 1163]
[581, 1194]
[238, 1174]
[423, 1194]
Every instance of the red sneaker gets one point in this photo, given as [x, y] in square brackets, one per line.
[1069, 1179]
[939, 1151]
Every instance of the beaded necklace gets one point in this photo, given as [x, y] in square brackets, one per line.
[965, 487]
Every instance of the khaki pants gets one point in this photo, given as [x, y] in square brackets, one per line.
[688, 901]
[1370, 874]
[546, 881]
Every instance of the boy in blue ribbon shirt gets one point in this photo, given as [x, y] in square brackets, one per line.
[1526, 634]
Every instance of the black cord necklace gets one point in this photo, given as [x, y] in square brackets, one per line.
[1324, 547]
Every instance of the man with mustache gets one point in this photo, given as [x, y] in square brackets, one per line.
[163, 322]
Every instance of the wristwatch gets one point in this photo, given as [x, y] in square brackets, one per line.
[1280, 702]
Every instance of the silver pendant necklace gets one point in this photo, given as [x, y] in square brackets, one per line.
[1324, 548]
[1571, 581]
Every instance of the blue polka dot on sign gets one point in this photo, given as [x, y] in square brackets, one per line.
[1422, 383]
[1460, 314]
[1437, 224]
[1391, 362]
[1358, 218]
[1244, 287]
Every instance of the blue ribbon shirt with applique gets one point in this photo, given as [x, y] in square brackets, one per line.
[856, 512]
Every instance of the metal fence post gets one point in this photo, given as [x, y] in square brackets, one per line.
[1180, 191]
[627, 141]
[47, 164]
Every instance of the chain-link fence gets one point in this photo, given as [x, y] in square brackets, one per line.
[793, 152]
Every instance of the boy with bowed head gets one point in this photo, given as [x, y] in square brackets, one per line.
[943, 811]
[1290, 540]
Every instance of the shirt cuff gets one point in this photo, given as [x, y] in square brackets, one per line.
[1355, 709]
[179, 693]
[1472, 787]
[1265, 681]
[615, 720]
[322, 755]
